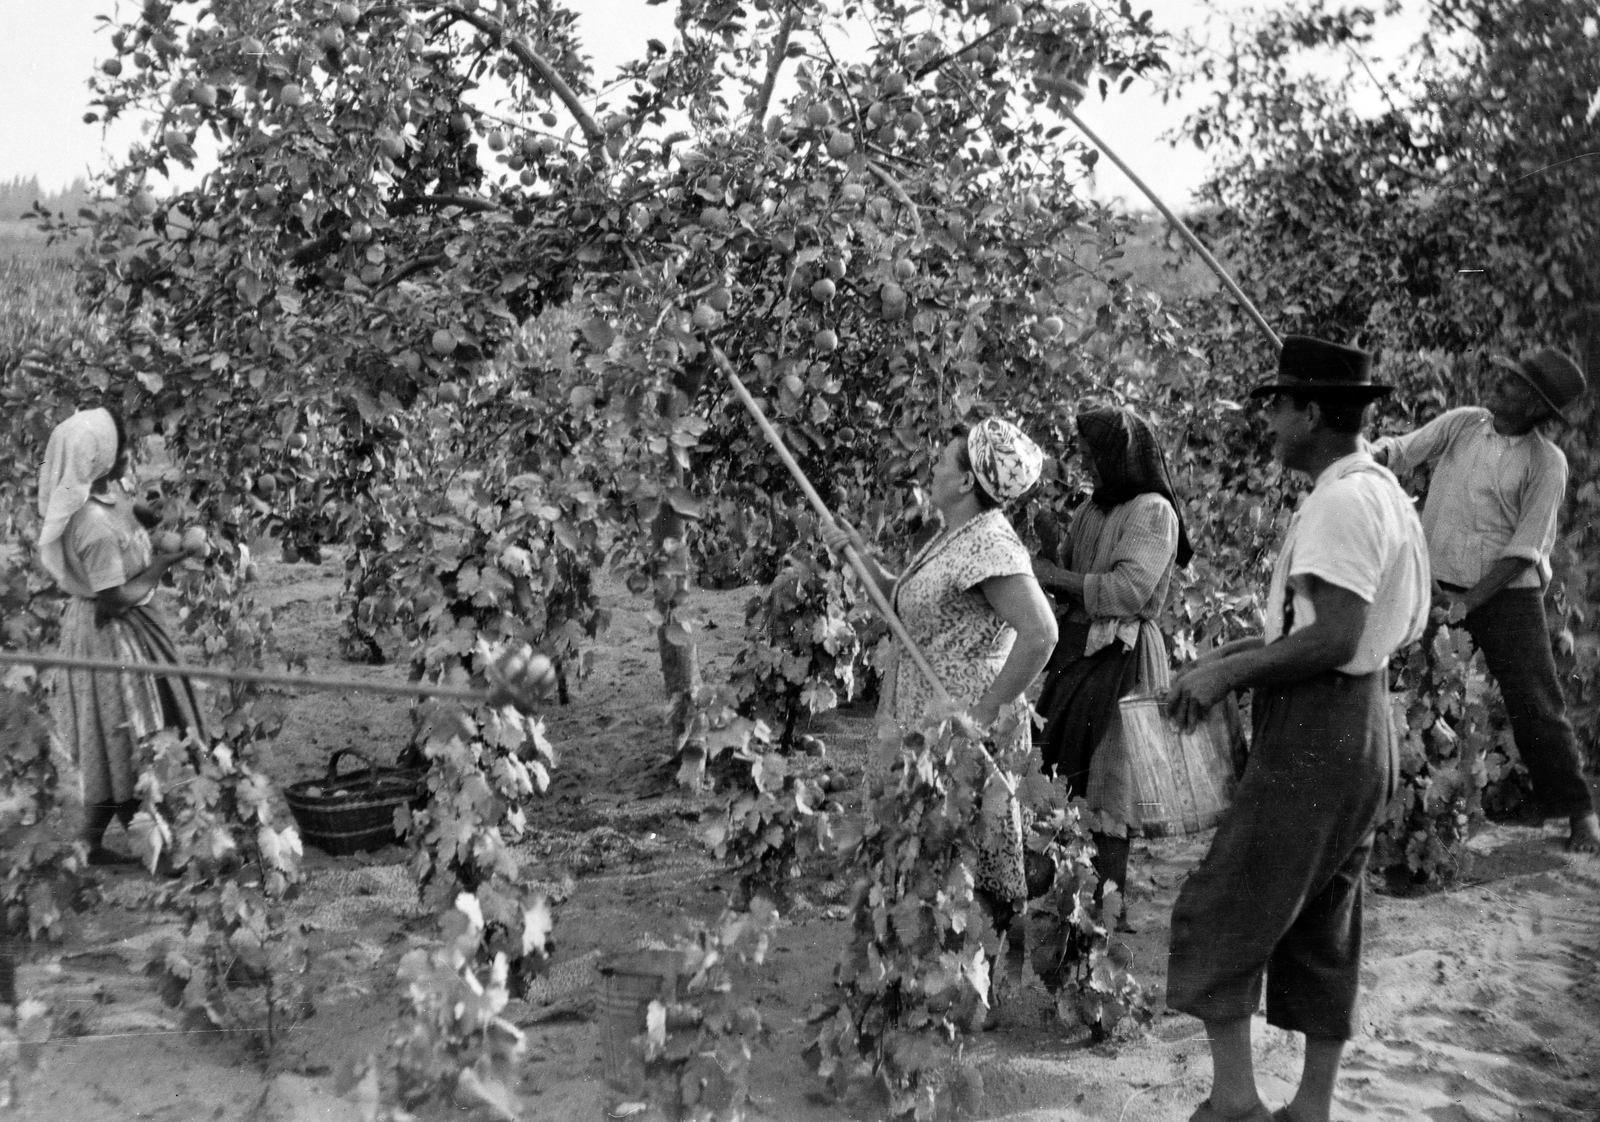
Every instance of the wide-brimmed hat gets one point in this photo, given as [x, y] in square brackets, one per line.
[1308, 365]
[1553, 376]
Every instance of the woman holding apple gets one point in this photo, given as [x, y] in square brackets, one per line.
[93, 544]
[970, 601]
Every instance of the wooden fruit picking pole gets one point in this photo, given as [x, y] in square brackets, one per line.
[879, 601]
[258, 677]
[1064, 86]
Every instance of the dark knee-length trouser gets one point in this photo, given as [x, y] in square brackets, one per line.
[1511, 632]
[1277, 898]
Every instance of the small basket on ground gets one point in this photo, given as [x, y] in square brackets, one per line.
[354, 812]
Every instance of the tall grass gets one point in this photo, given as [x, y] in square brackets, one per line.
[38, 304]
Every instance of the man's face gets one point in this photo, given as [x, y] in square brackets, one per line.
[1516, 406]
[1289, 428]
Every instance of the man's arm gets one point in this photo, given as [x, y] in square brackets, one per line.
[1500, 574]
[1405, 453]
[1329, 642]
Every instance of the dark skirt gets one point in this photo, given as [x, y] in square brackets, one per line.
[1079, 702]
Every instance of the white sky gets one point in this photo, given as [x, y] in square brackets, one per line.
[48, 49]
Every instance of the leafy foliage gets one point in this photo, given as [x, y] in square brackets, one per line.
[802, 652]
[453, 1039]
[44, 869]
[1068, 944]
[772, 817]
[696, 1049]
[915, 981]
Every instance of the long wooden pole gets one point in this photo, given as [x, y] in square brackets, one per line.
[879, 600]
[1061, 85]
[258, 677]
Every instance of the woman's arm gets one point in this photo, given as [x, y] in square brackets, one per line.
[1057, 579]
[1019, 601]
[118, 599]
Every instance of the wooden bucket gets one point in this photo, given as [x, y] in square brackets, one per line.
[629, 982]
[1182, 782]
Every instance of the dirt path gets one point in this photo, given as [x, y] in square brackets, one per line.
[1483, 1003]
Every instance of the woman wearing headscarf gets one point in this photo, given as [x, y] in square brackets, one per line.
[1119, 557]
[99, 554]
[971, 603]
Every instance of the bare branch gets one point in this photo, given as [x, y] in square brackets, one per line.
[409, 269]
[780, 50]
[532, 60]
[474, 204]
[898, 191]
[930, 67]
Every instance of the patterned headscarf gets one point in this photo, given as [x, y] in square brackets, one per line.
[1004, 461]
[82, 449]
[1129, 459]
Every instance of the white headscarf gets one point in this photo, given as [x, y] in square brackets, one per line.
[82, 449]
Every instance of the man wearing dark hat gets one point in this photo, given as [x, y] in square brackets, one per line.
[1278, 897]
[1493, 502]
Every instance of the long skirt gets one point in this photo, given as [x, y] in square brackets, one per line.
[103, 715]
[1079, 703]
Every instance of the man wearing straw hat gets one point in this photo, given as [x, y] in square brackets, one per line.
[1278, 897]
[1493, 503]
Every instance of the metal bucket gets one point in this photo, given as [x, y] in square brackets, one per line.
[629, 982]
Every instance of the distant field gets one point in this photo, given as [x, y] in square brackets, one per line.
[23, 240]
[37, 301]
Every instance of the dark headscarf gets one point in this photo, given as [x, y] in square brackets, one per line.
[1130, 462]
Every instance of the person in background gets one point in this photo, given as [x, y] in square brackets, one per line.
[970, 601]
[1493, 504]
[1120, 554]
[1278, 896]
[94, 547]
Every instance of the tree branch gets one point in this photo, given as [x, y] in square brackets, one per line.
[532, 60]
[780, 50]
[409, 269]
[898, 191]
[474, 204]
[930, 67]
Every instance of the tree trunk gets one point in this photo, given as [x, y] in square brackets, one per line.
[680, 663]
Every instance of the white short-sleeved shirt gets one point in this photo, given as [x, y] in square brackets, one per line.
[1358, 530]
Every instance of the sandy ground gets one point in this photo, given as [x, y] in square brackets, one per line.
[1483, 1002]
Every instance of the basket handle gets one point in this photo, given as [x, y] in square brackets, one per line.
[333, 765]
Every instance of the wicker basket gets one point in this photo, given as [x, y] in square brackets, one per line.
[354, 812]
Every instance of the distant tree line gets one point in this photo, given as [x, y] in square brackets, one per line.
[18, 196]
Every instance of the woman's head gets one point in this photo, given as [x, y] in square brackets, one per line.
[1123, 458]
[997, 460]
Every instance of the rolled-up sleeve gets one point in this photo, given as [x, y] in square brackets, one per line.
[1142, 556]
[1404, 454]
[1539, 511]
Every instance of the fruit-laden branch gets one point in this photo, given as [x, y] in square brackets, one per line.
[542, 69]
[780, 49]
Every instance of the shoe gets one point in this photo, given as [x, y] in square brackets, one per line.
[102, 857]
[1205, 1112]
